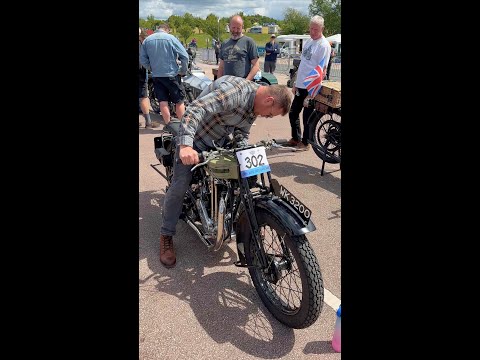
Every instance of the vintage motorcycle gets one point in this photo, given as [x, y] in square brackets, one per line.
[232, 196]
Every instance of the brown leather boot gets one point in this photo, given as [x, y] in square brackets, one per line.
[167, 252]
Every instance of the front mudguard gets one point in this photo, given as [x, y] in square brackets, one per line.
[280, 210]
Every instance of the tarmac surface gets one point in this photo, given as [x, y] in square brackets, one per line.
[205, 307]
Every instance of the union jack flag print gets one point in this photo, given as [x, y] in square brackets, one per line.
[313, 81]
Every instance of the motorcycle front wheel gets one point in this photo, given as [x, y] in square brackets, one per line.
[291, 287]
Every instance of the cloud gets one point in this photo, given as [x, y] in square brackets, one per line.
[163, 9]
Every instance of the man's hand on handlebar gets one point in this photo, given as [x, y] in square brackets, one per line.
[188, 156]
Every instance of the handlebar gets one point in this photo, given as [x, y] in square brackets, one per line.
[205, 156]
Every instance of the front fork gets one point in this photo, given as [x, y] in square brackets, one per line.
[247, 200]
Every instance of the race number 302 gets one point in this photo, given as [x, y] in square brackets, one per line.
[253, 161]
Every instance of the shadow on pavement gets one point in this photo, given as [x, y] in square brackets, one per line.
[305, 174]
[225, 304]
[319, 347]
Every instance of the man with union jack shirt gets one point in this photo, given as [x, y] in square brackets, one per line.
[313, 63]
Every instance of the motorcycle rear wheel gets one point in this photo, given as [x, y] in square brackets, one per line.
[296, 297]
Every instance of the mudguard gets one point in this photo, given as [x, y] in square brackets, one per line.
[286, 215]
[269, 78]
[282, 211]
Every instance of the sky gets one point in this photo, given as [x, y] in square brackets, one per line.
[163, 9]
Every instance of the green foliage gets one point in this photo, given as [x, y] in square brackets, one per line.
[185, 31]
[175, 22]
[150, 22]
[295, 22]
[188, 19]
[331, 11]
[211, 27]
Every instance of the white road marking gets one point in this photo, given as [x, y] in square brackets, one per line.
[331, 300]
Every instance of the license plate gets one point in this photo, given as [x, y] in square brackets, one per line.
[252, 161]
[304, 212]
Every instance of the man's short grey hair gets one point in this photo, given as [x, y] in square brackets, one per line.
[317, 19]
[164, 26]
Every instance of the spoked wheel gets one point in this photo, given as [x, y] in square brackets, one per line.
[292, 286]
[325, 133]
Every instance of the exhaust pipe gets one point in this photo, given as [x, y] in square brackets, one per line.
[220, 224]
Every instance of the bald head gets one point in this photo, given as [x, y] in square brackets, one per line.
[236, 26]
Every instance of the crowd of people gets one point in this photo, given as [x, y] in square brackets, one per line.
[228, 107]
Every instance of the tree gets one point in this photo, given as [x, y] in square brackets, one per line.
[210, 26]
[185, 31]
[331, 11]
[294, 22]
[188, 19]
[175, 22]
[148, 23]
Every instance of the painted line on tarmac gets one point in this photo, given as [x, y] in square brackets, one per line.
[331, 300]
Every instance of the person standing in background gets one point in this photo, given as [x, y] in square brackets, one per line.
[315, 51]
[271, 52]
[143, 88]
[159, 53]
[239, 54]
[217, 49]
[332, 56]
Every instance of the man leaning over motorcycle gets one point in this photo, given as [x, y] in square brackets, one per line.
[230, 108]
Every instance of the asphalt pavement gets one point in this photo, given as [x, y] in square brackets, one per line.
[207, 308]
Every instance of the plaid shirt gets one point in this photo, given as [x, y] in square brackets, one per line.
[226, 109]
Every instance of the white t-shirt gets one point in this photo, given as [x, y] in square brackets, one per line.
[312, 53]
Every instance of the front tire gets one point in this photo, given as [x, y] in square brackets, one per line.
[292, 286]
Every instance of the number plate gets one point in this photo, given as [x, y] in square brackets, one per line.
[252, 161]
[304, 212]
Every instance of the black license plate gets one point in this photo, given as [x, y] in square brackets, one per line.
[304, 212]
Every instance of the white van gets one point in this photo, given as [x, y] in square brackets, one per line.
[291, 45]
[256, 29]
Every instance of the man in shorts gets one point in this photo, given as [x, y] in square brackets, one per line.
[159, 53]
[143, 88]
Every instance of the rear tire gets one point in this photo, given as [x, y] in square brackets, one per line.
[295, 265]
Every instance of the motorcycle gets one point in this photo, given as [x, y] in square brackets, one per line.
[293, 73]
[232, 197]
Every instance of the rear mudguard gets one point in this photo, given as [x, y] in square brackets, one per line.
[279, 209]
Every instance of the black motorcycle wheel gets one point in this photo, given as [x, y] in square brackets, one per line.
[292, 287]
[325, 133]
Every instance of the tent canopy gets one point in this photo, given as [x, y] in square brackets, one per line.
[335, 38]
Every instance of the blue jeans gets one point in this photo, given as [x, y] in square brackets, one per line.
[172, 206]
